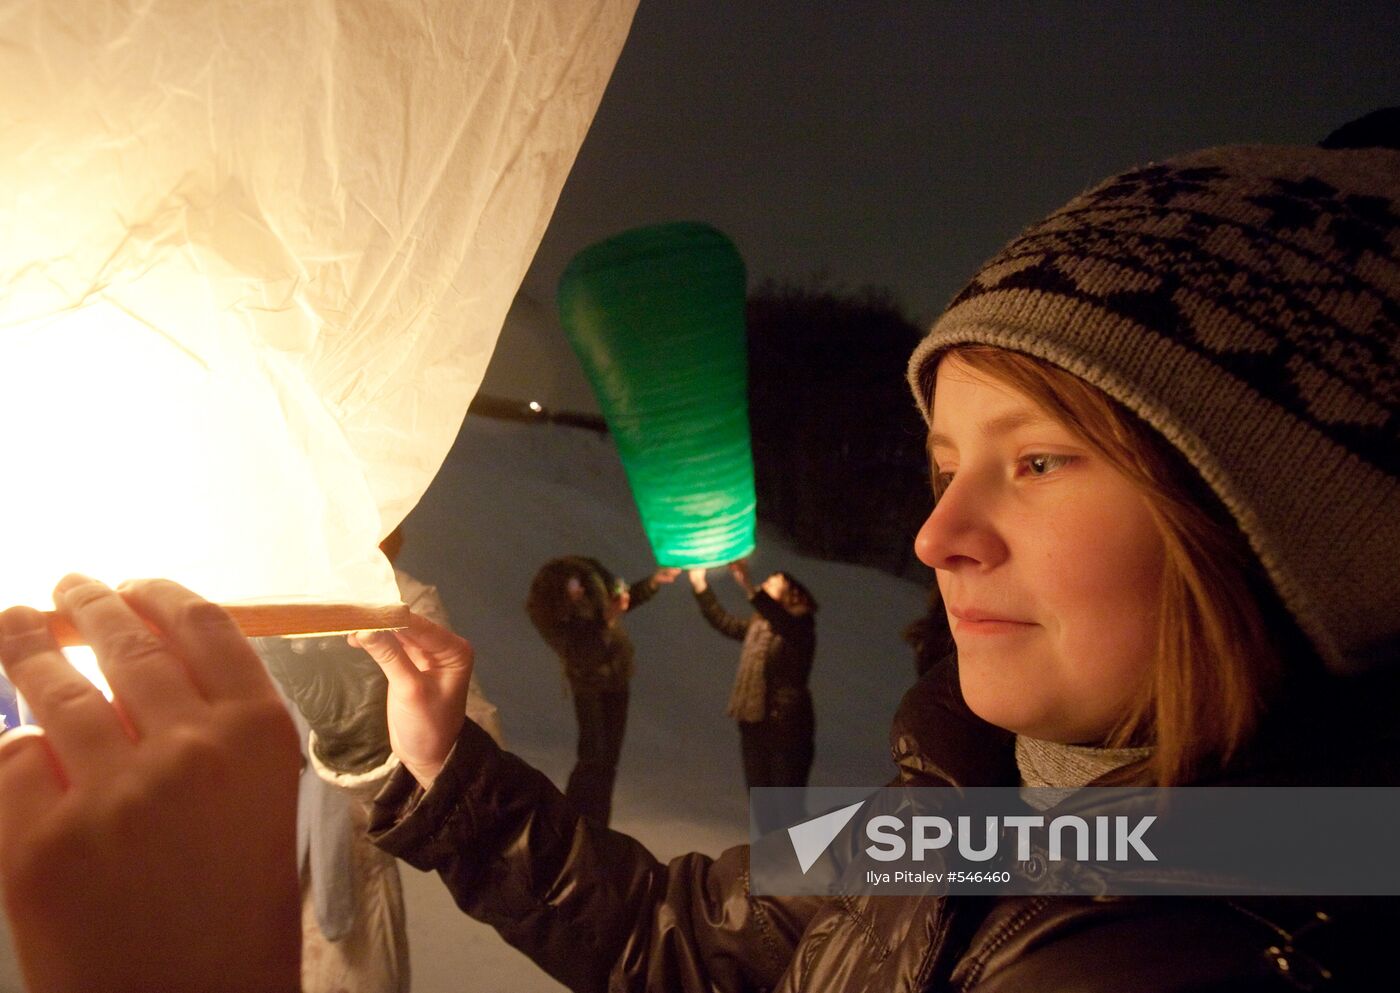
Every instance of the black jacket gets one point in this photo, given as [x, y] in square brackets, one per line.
[597, 912]
[596, 655]
[778, 647]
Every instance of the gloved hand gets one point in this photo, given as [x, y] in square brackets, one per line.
[340, 691]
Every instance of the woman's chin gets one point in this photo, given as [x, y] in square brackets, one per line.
[997, 701]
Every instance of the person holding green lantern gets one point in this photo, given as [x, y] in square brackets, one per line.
[770, 699]
[577, 604]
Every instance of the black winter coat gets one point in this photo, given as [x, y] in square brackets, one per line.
[778, 648]
[597, 912]
[597, 655]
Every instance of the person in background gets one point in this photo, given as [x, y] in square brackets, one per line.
[577, 605]
[770, 699]
[354, 937]
[354, 926]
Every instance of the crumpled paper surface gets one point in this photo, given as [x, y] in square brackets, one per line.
[254, 258]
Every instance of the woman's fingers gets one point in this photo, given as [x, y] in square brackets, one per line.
[421, 647]
[147, 679]
[385, 649]
[83, 729]
[30, 782]
[429, 671]
[214, 651]
[446, 649]
[119, 843]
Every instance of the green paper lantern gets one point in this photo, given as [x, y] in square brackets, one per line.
[656, 316]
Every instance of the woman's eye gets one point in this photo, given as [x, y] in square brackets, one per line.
[1043, 465]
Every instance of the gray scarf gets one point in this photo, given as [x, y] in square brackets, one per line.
[748, 698]
[1049, 763]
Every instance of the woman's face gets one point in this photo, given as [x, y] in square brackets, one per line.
[619, 602]
[1047, 559]
[778, 587]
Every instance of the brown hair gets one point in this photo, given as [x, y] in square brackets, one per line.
[1216, 665]
[798, 592]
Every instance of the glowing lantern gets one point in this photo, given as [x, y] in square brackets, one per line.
[253, 261]
[656, 315]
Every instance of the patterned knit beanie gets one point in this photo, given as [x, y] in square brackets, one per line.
[1244, 302]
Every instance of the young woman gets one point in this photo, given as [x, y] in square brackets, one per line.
[770, 700]
[1162, 424]
[577, 604]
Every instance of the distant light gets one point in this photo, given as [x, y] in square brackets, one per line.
[534, 405]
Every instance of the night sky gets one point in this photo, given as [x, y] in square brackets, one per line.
[901, 143]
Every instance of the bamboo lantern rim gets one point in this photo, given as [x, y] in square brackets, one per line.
[263, 620]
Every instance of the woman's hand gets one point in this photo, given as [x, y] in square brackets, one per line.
[698, 580]
[149, 843]
[776, 586]
[739, 569]
[429, 670]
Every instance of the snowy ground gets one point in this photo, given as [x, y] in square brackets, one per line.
[511, 496]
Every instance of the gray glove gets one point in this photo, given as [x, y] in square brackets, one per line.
[340, 691]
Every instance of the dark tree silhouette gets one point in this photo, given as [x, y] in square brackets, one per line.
[839, 449]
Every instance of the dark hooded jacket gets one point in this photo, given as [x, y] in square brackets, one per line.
[596, 655]
[597, 912]
[778, 648]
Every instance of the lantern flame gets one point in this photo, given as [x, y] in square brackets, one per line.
[205, 459]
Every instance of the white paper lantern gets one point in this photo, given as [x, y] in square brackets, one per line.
[253, 261]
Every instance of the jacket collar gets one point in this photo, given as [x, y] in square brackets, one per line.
[937, 741]
[1328, 731]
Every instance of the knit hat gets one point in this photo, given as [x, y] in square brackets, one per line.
[1244, 302]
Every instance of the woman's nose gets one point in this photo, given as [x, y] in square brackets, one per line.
[959, 532]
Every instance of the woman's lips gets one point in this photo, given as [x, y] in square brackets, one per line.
[982, 623]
